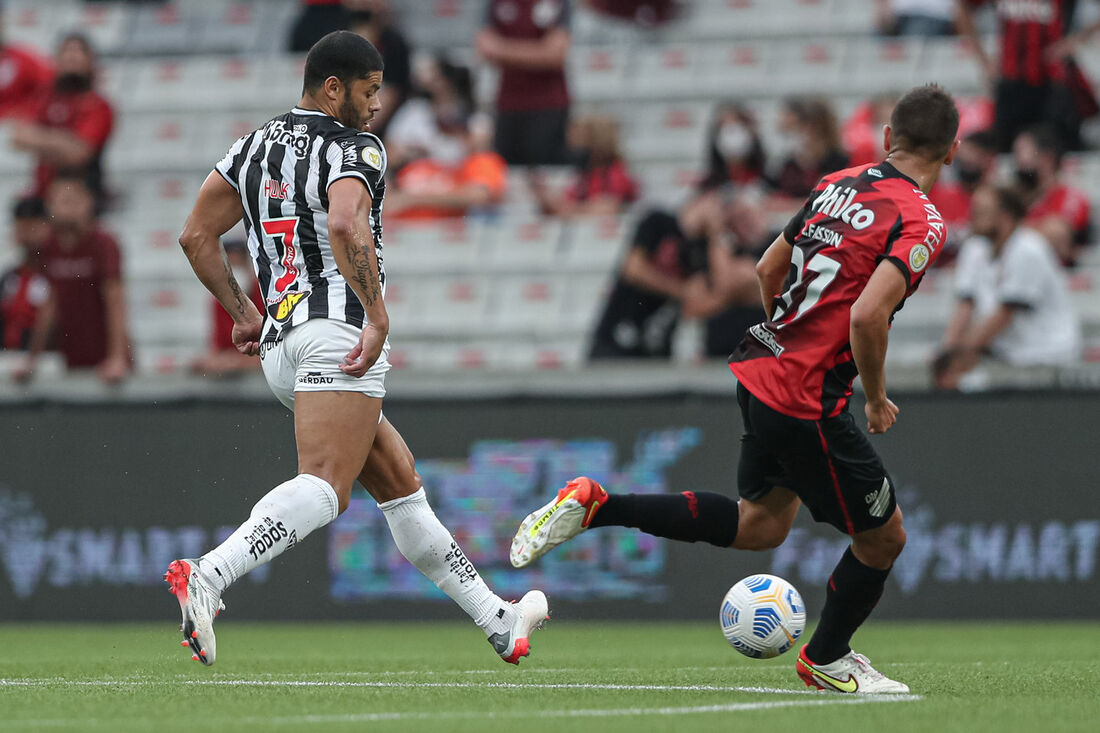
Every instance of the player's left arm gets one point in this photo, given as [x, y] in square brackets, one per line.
[772, 270]
[869, 330]
[217, 210]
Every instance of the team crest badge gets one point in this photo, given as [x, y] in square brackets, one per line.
[918, 257]
[281, 309]
[373, 158]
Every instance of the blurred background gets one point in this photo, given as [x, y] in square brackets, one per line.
[579, 190]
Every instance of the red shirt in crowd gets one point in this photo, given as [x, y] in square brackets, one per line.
[529, 89]
[611, 180]
[87, 114]
[1067, 203]
[78, 276]
[1028, 28]
[25, 78]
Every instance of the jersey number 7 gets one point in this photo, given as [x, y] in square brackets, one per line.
[826, 268]
[282, 232]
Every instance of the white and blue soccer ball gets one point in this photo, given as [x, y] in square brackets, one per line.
[762, 616]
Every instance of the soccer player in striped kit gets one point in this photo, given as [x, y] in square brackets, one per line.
[310, 187]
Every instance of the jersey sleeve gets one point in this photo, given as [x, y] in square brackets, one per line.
[362, 157]
[230, 166]
[914, 243]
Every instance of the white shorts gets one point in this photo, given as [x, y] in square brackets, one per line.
[307, 358]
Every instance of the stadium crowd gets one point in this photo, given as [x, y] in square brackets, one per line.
[1010, 209]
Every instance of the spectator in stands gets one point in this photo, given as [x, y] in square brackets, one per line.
[25, 77]
[812, 147]
[975, 165]
[1013, 300]
[862, 133]
[223, 359]
[528, 40]
[86, 309]
[1058, 211]
[73, 122]
[1038, 80]
[734, 150]
[474, 184]
[915, 17]
[646, 13]
[426, 126]
[601, 183]
[374, 22]
[665, 264]
[24, 289]
[730, 300]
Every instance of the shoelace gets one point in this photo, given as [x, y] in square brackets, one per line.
[865, 665]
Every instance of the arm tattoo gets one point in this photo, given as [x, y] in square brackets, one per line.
[365, 276]
[237, 294]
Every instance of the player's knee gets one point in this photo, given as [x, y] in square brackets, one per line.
[760, 536]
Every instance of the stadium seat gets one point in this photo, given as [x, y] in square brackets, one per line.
[157, 142]
[671, 132]
[522, 244]
[168, 28]
[527, 304]
[598, 73]
[451, 246]
[951, 62]
[876, 65]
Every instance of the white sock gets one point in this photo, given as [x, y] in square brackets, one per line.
[279, 521]
[427, 544]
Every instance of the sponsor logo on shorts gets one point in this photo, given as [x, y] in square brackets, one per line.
[879, 499]
[314, 378]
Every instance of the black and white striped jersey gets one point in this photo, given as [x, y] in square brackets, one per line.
[283, 172]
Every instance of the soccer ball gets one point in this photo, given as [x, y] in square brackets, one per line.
[762, 616]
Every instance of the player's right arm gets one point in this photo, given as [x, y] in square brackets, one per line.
[217, 210]
[869, 329]
[353, 249]
[772, 270]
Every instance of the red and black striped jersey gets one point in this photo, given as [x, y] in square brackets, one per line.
[1028, 28]
[800, 362]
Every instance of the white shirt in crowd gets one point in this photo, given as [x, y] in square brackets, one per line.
[1046, 328]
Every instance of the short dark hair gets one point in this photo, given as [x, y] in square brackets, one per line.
[29, 207]
[78, 38]
[343, 54]
[1047, 141]
[1010, 201]
[925, 122]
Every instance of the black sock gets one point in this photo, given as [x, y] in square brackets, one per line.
[692, 516]
[850, 596]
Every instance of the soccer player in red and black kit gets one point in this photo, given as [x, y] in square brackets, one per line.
[830, 284]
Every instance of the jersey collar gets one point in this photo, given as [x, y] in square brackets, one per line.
[889, 171]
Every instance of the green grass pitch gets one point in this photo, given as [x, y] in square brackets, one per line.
[581, 677]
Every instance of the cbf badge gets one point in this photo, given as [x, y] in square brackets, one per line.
[373, 158]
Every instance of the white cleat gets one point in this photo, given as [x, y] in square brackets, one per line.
[531, 611]
[563, 518]
[200, 603]
[851, 673]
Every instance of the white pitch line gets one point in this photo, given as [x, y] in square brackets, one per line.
[381, 684]
[558, 713]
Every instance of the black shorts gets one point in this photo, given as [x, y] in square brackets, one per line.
[534, 137]
[1019, 105]
[829, 463]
